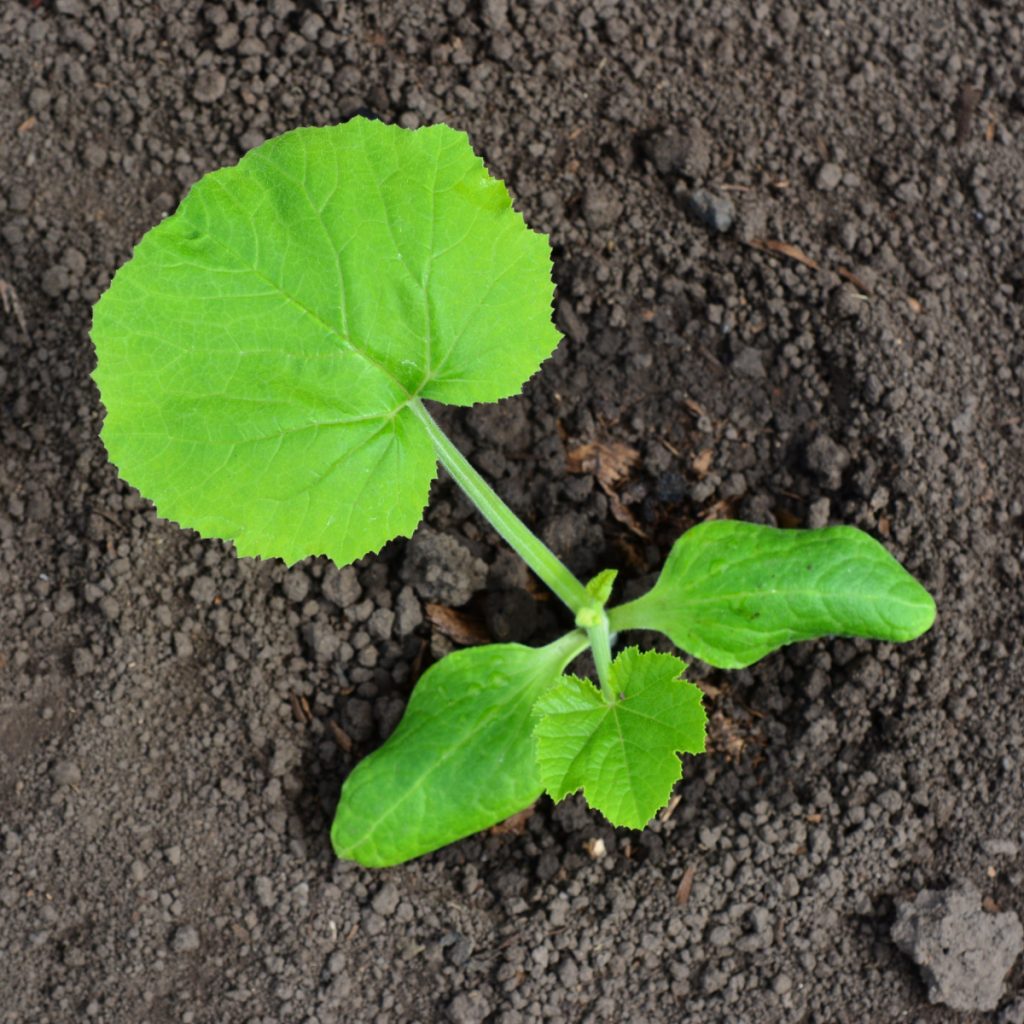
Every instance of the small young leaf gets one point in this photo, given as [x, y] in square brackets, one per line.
[259, 355]
[732, 592]
[600, 587]
[622, 755]
[461, 759]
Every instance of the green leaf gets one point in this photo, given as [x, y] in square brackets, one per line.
[260, 355]
[732, 592]
[622, 755]
[461, 759]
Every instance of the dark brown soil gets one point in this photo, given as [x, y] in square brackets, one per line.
[164, 792]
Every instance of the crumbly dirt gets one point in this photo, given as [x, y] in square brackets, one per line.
[791, 278]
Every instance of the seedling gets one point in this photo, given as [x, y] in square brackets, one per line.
[265, 358]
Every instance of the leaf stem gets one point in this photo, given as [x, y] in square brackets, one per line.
[565, 648]
[529, 547]
[631, 615]
[601, 648]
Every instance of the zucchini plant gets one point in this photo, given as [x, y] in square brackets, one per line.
[267, 358]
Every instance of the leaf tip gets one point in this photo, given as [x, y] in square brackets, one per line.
[923, 617]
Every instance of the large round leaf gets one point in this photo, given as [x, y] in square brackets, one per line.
[262, 355]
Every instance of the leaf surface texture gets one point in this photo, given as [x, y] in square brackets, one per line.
[461, 759]
[732, 592]
[622, 755]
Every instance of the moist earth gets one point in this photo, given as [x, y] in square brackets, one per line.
[790, 275]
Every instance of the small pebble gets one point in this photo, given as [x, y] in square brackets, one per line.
[1000, 848]
[409, 612]
[381, 623]
[714, 212]
[210, 86]
[829, 177]
[749, 362]
[818, 513]
[203, 590]
[264, 890]
[55, 281]
[601, 208]
[66, 773]
[39, 99]
[185, 940]
[386, 900]
[295, 585]
[82, 661]
[95, 155]
[251, 139]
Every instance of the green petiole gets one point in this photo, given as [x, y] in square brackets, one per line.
[590, 615]
[534, 552]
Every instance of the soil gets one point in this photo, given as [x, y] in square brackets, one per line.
[170, 751]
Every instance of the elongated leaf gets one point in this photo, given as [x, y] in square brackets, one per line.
[261, 354]
[622, 755]
[461, 759]
[732, 592]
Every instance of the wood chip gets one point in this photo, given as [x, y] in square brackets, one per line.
[792, 252]
[966, 104]
[622, 514]
[417, 662]
[915, 306]
[696, 408]
[666, 812]
[685, 886]
[729, 739]
[27, 125]
[341, 737]
[788, 520]
[465, 629]
[609, 462]
[858, 282]
[11, 305]
[300, 709]
[515, 825]
[702, 463]
[722, 509]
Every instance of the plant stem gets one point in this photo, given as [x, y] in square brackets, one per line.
[601, 648]
[530, 548]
